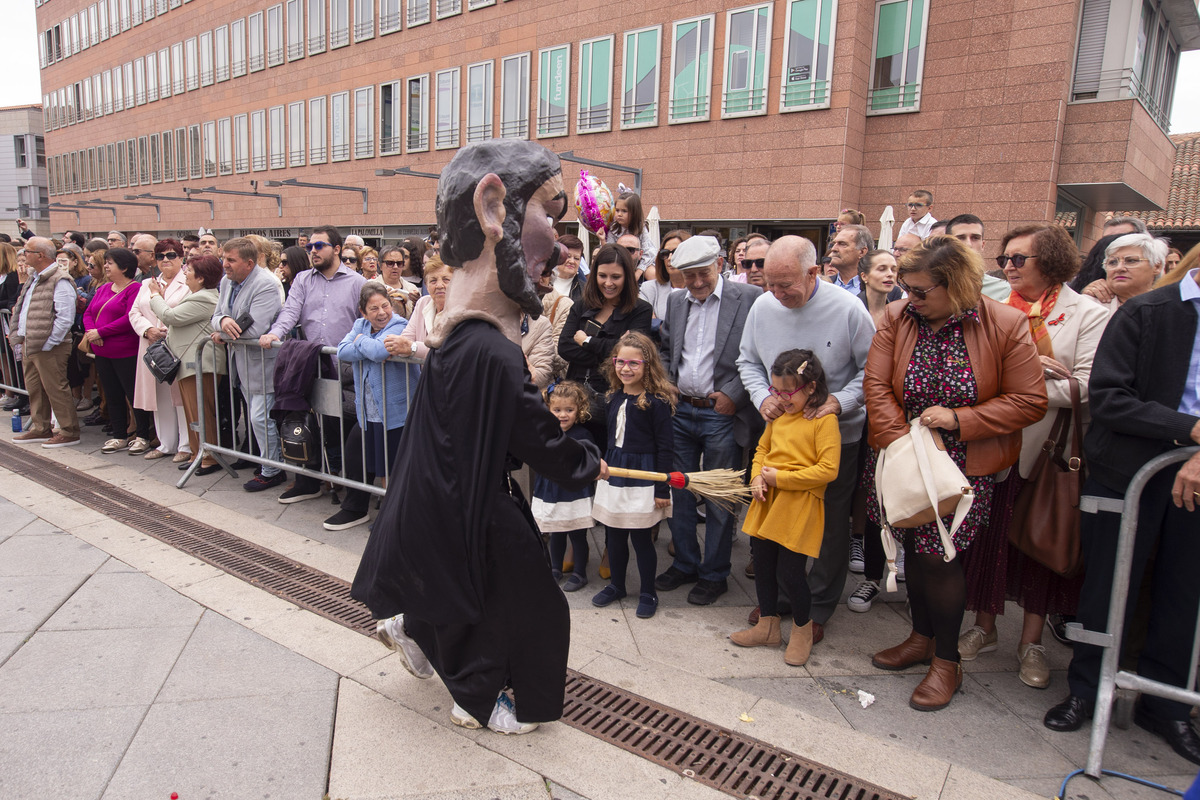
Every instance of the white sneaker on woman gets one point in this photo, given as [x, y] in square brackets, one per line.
[863, 596]
[391, 632]
[504, 717]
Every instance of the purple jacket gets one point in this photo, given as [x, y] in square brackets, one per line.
[111, 320]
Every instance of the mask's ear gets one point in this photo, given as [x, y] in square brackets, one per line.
[489, 207]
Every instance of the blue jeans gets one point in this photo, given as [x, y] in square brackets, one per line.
[702, 431]
[265, 431]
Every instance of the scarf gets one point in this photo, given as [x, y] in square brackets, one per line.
[1037, 313]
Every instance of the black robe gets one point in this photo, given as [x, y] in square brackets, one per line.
[454, 547]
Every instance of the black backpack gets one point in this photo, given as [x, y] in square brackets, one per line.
[299, 438]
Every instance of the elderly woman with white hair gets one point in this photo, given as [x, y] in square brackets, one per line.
[1132, 263]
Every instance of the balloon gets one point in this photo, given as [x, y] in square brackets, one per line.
[594, 203]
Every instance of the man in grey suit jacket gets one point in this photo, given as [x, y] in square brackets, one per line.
[250, 294]
[700, 338]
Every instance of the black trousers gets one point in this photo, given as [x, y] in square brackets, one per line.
[117, 376]
[1174, 590]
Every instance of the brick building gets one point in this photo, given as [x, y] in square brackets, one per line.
[769, 116]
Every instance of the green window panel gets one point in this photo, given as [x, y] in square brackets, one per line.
[899, 46]
[747, 55]
[554, 80]
[639, 99]
[809, 55]
[691, 76]
[595, 85]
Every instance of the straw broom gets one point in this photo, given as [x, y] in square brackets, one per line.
[721, 486]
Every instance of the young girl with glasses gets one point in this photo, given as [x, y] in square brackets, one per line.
[797, 456]
[641, 401]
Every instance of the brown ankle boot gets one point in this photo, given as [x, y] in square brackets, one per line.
[800, 645]
[764, 634]
[916, 649]
[941, 682]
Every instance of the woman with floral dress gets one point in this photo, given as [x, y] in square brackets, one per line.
[966, 366]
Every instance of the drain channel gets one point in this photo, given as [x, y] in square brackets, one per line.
[723, 759]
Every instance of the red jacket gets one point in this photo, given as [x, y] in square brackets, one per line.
[1008, 378]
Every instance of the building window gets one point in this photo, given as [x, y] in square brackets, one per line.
[139, 81]
[339, 23]
[168, 160]
[318, 148]
[106, 76]
[237, 48]
[73, 24]
[275, 51]
[417, 103]
[257, 60]
[207, 78]
[258, 140]
[22, 157]
[148, 10]
[122, 165]
[898, 57]
[514, 97]
[137, 12]
[164, 72]
[225, 146]
[639, 93]
[389, 16]
[364, 122]
[181, 157]
[296, 134]
[191, 61]
[316, 26]
[194, 158]
[448, 8]
[241, 143]
[295, 29]
[102, 23]
[85, 39]
[87, 98]
[151, 77]
[340, 125]
[179, 85]
[595, 85]
[479, 101]
[97, 95]
[221, 53]
[1155, 64]
[446, 109]
[155, 160]
[747, 58]
[93, 179]
[101, 169]
[123, 10]
[126, 87]
[364, 20]
[389, 118]
[210, 149]
[418, 12]
[554, 79]
[277, 152]
[808, 54]
[94, 22]
[476, 4]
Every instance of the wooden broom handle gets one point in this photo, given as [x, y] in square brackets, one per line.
[638, 474]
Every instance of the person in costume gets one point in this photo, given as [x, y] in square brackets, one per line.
[459, 578]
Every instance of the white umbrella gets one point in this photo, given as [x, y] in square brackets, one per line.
[652, 220]
[885, 229]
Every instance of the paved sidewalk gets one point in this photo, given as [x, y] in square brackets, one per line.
[390, 736]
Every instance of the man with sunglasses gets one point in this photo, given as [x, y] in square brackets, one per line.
[323, 301]
[143, 247]
[801, 310]
[754, 261]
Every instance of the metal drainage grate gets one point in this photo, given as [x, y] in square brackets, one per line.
[723, 759]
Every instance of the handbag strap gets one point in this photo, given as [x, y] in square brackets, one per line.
[925, 441]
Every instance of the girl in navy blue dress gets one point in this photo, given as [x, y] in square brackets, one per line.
[561, 512]
[640, 405]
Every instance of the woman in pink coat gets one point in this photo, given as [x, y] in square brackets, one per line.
[148, 394]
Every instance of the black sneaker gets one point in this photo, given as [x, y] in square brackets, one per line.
[345, 519]
[299, 493]
[672, 579]
[258, 483]
[705, 593]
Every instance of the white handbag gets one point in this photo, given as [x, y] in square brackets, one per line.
[917, 483]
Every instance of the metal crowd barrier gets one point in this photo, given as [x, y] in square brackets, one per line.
[325, 397]
[1111, 677]
[12, 376]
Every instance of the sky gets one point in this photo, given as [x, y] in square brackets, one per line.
[21, 84]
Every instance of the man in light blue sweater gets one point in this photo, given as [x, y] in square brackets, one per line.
[800, 310]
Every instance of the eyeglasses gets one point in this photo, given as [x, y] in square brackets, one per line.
[920, 294]
[899, 251]
[139, 251]
[283, 262]
[668, 252]
[754, 263]
[170, 255]
[390, 263]
[782, 394]
[1018, 260]
[632, 363]
[318, 246]
[1129, 262]
[349, 260]
[915, 205]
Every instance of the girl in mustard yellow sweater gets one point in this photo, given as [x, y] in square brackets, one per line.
[797, 456]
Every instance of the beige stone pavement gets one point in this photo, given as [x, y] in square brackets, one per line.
[387, 735]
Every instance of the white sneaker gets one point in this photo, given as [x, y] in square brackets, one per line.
[858, 563]
[504, 717]
[391, 633]
[460, 717]
[900, 566]
[863, 596]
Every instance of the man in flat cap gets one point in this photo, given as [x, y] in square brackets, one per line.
[700, 337]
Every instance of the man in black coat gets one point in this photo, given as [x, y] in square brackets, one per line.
[455, 565]
[1145, 400]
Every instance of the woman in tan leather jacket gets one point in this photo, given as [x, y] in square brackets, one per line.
[965, 365]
